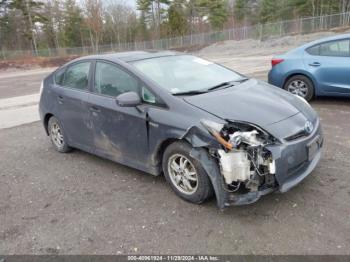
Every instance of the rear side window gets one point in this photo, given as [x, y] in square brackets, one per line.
[77, 76]
[334, 48]
[112, 81]
[315, 50]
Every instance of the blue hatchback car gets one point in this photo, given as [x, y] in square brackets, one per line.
[319, 68]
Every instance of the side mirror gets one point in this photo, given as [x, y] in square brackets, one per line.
[128, 99]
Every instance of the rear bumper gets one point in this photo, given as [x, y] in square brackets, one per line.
[275, 77]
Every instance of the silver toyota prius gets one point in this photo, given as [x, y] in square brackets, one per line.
[210, 130]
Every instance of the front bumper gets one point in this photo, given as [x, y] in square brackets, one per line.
[293, 164]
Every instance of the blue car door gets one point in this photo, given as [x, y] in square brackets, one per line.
[329, 63]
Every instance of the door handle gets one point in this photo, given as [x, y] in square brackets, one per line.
[315, 64]
[95, 109]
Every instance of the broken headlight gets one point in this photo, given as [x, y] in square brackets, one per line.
[233, 135]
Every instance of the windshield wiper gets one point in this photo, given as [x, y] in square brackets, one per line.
[202, 91]
[223, 84]
[192, 92]
[227, 84]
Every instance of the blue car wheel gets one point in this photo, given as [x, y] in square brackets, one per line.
[300, 85]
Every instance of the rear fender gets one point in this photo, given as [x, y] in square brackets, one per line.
[305, 73]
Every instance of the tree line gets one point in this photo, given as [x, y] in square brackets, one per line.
[44, 24]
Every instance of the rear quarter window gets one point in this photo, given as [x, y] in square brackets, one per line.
[337, 48]
[314, 50]
[59, 75]
[77, 76]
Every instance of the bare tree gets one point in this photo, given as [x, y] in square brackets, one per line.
[94, 21]
[117, 20]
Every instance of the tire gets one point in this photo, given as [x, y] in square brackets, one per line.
[57, 135]
[302, 85]
[179, 152]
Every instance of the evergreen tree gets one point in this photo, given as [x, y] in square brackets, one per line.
[74, 25]
[215, 10]
[177, 19]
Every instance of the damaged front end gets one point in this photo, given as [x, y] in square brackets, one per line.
[246, 165]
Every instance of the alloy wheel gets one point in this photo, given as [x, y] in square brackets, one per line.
[183, 174]
[56, 135]
[298, 87]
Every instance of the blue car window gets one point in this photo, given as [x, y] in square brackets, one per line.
[314, 50]
[335, 48]
[339, 48]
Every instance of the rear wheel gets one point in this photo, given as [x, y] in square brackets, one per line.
[57, 135]
[185, 174]
[300, 85]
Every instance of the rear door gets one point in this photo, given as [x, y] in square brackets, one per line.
[71, 95]
[120, 133]
[329, 62]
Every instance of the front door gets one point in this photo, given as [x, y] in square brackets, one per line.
[120, 133]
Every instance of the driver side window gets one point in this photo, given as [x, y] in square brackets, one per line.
[112, 81]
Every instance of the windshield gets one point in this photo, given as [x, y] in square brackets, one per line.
[185, 73]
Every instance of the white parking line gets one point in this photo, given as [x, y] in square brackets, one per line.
[19, 101]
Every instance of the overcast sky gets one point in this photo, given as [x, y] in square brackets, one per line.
[131, 2]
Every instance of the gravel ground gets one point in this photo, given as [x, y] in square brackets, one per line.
[76, 203]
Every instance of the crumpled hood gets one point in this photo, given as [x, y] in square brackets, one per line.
[252, 101]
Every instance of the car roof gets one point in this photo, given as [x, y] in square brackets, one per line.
[129, 56]
[325, 39]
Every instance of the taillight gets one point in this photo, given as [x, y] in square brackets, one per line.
[276, 61]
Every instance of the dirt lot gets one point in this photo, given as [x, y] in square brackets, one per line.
[76, 203]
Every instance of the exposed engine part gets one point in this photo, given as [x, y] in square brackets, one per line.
[272, 167]
[244, 161]
[247, 163]
[234, 187]
[250, 138]
[222, 141]
[235, 166]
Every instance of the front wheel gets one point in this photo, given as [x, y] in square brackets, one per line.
[185, 174]
[300, 85]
